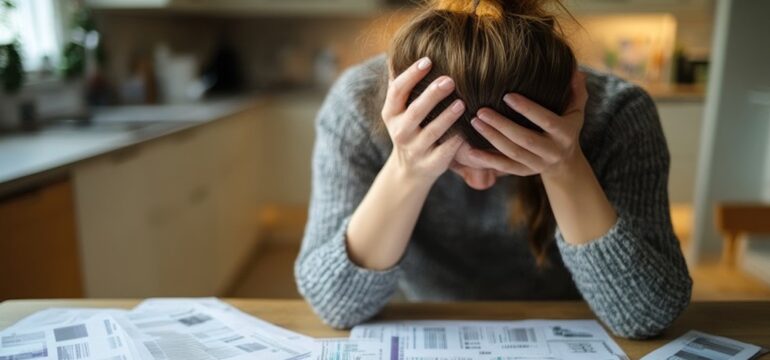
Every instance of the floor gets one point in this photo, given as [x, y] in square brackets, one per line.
[271, 274]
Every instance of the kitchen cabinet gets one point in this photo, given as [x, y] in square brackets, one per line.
[39, 255]
[175, 216]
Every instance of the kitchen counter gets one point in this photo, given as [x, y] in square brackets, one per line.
[28, 157]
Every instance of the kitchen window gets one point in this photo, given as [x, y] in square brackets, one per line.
[36, 24]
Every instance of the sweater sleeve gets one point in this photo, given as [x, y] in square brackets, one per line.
[634, 277]
[345, 164]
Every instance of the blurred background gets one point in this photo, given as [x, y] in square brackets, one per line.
[162, 147]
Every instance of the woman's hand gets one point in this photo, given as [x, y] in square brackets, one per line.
[577, 200]
[419, 152]
[380, 228]
[525, 152]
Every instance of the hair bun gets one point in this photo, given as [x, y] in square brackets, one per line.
[496, 8]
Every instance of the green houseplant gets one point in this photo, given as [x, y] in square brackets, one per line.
[11, 65]
[74, 53]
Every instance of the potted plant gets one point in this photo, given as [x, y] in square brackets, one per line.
[11, 71]
[11, 67]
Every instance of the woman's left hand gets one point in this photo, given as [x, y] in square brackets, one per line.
[525, 152]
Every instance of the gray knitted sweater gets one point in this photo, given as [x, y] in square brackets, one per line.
[463, 247]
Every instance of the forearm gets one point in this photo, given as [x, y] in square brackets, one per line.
[381, 226]
[636, 289]
[579, 204]
[340, 292]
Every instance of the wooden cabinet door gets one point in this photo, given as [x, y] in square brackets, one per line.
[39, 255]
[117, 245]
[172, 217]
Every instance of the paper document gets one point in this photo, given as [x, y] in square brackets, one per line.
[209, 329]
[352, 349]
[188, 330]
[158, 329]
[530, 339]
[235, 314]
[700, 346]
[98, 336]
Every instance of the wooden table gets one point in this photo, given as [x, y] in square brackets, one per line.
[744, 321]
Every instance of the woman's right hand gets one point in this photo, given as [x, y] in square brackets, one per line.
[380, 228]
[420, 152]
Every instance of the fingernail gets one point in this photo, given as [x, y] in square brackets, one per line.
[445, 83]
[482, 115]
[457, 107]
[510, 99]
[476, 123]
[423, 63]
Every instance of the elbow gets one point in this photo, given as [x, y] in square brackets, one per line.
[329, 310]
[320, 296]
[644, 321]
[336, 321]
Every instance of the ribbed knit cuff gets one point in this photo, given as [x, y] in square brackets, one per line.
[629, 285]
[342, 293]
[614, 251]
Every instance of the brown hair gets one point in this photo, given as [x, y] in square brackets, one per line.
[491, 48]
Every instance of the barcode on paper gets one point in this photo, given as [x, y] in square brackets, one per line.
[519, 335]
[195, 319]
[471, 337]
[701, 348]
[114, 342]
[70, 332]
[434, 337]
[73, 352]
[581, 348]
[252, 347]
[714, 345]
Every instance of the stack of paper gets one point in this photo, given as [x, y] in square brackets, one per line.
[192, 329]
[203, 329]
[157, 329]
[471, 340]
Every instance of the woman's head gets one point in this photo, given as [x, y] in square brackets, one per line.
[489, 48]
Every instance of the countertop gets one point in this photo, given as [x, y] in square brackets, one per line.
[24, 156]
[743, 321]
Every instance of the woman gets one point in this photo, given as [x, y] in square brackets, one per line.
[503, 172]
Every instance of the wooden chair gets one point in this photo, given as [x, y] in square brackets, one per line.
[735, 220]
